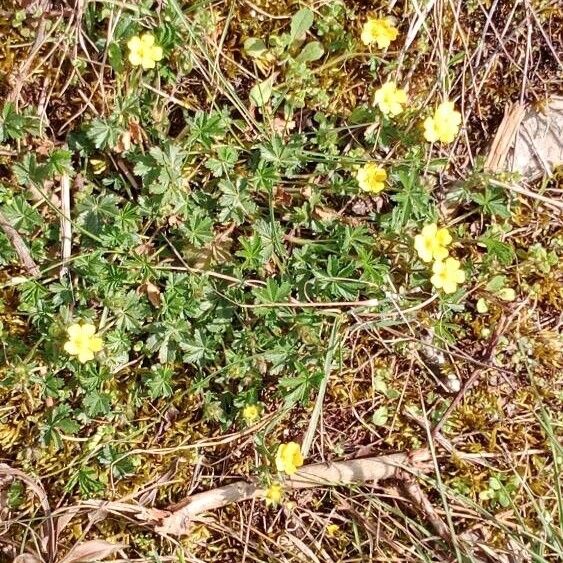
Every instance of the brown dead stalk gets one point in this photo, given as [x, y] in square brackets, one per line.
[19, 246]
[355, 471]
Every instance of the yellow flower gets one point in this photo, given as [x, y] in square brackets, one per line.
[431, 243]
[332, 530]
[447, 275]
[82, 342]
[143, 51]
[371, 178]
[289, 458]
[250, 413]
[390, 99]
[273, 494]
[380, 31]
[444, 125]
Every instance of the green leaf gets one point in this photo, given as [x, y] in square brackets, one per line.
[255, 47]
[313, 51]
[103, 133]
[496, 284]
[115, 57]
[503, 252]
[22, 215]
[199, 229]
[492, 201]
[14, 125]
[159, 382]
[300, 24]
[260, 93]
[380, 416]
[194, 351]
[298, 389]
[60, 162]
[87, 481]
[96, 403]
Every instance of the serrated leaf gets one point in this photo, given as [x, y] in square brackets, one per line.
[194, 351]
[96, 404]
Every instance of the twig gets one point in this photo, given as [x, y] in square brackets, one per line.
[19, 246]
[66, 225]
[412, 489]
[528, 193]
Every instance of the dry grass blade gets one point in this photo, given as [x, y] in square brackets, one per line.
[93, 550]
[49, 543]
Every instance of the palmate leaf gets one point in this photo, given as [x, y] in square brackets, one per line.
[195, 349]
[235, 201]
[103, 133]
[298, 389]
[14, 125]
[159, 381]
[492, 201]
[58, 420]
[96, 403]
[413, 202]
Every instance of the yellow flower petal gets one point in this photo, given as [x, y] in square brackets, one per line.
[289, 457]
[429, 130]
[134, 58]
[96, 344]
[71, 348]
[380, 31]
[440, 253]
[273, 494]
[390, 98]
[147, 40]
[443, 125]
[85, 356]
[134, 43]
[88, 330]
[156, 53]
[147, 63]
[443, 236]
[447, 275]
[74, 330]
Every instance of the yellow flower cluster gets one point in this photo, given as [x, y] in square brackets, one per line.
[380, 31]
[289, 458]
[431, 244]
[83, 342]
[143, 51]
[443, 125]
